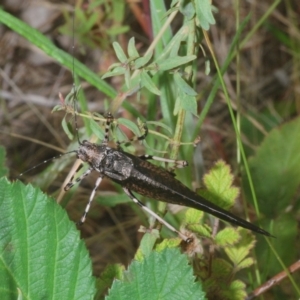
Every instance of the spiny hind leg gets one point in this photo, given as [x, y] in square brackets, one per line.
[156, 216]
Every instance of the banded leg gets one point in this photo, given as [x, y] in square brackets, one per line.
[177, 163]
[87, 208]
[109, 119]
[136, 138]
[71, 183]
[156, 216]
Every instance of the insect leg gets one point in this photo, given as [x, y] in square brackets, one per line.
[87, 208]
[177, 163]
[109, 119]
[71, 183]
[141, 137]
[136, 138]
[157, 217]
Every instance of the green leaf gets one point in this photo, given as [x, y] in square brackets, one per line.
[193, 216]
[204, 13]
[286, 226]
[118, 10]
[201, 230]
[117, 30]
[192, 222]
[83, 104]
[219, 186]
[148, 83]
[147, 243]
[218, 277]
[275, 169]
[115, 72]
[236, 291]
[142, 61]
[239, 252]
[127, 75]
[115, 65]
[161, 275]
[112, 200]
[187, 9]
[119, 135]
[246, 263]
[107, 277]
[174, 62]
[221, 268]
[183, 85]
[119, 52]
[188, 103]
[132, 52]
[67, 60]
[73, 95]
[168, 243]
[158, 12]
[58, 107]
[67, 127]
[173, 46]
[161, 124]
[177, 106]
[97, 129]
[130, 125]
[90, 22]
[3, 169]
[207, 67]
[227, 237]
[41, 252]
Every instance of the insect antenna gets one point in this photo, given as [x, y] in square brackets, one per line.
[74, 89]
[72, 97]
[47, 160]
[75, 120]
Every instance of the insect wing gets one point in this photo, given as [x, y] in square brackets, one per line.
[155, 182]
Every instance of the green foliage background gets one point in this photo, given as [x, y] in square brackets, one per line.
[41, 252]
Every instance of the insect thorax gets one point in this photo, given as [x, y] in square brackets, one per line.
[111, 162]
[93, 154]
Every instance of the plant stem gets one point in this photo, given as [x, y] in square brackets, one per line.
[187, 75]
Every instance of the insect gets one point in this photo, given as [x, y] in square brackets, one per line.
[137, 174]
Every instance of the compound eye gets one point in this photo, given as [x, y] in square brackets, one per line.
[87, 145]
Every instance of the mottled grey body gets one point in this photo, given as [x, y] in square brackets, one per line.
[139, 175]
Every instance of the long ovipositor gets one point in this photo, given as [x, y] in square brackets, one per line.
[157, 183]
